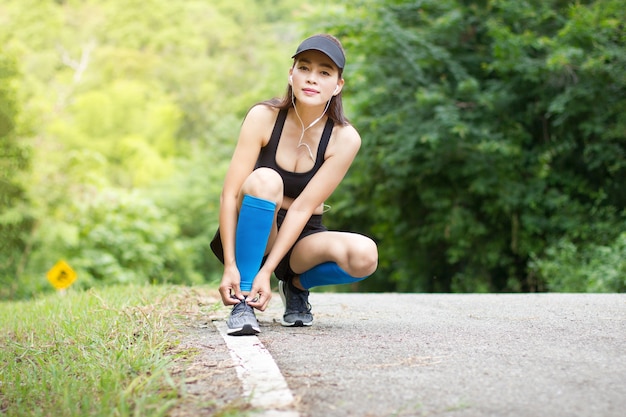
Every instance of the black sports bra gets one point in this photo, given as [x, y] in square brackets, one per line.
[294, 182]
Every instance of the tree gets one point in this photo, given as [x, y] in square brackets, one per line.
[138, 101]
[491, 131]
[15, 222]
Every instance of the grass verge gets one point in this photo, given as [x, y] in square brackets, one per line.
[96, 353]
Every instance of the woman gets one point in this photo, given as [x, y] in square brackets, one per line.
[290, 156]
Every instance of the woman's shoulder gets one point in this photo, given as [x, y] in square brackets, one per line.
[262, 112]
[345, 140]
[347, 133]
[258, 124]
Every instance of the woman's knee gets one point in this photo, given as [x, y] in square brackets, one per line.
[363, 257]
[264, 183]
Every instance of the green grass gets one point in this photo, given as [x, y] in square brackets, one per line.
[96, 353]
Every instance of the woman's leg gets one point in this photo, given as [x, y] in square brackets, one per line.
[324, 258]
[329, 258]
[259, 197]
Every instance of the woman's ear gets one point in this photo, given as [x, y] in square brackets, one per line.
[339, 87]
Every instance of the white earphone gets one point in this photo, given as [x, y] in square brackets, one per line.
[291, 79]
[336, 88]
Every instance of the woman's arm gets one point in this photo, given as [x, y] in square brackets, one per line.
[253, 136]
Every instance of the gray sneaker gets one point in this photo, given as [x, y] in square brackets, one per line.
[242, 321]
[297, 307]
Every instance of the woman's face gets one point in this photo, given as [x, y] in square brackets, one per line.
[315, 78]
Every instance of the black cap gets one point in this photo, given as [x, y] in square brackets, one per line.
[323, 44]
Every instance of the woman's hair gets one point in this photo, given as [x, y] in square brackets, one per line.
[335, 108]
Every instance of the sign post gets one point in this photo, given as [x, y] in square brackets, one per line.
[61, 275]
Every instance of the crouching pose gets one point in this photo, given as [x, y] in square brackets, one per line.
[290, 156]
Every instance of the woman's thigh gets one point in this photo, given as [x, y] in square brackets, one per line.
[354, 253]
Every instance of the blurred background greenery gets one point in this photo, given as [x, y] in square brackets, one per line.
[494, 137]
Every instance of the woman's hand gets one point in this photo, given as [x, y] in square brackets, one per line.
[261, 293]
[230, 286]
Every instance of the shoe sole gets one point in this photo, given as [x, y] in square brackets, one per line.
[297, 323]
[246, 330]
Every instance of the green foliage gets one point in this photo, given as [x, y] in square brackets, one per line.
[132, 125]
[594, 268]
[123, 238]
[135, 108]
[116, 237]
[493, 136]
[191, 196]
[489, 130]
[15, 221]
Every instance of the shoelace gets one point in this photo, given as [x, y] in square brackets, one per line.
[241, 308]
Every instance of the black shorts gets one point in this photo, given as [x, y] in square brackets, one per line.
[283, 271]
[314, 225]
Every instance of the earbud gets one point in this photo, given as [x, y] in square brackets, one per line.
[336, 89]
[291, 79]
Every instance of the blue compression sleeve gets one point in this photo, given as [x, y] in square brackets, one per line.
[256, 218]
[328, 273]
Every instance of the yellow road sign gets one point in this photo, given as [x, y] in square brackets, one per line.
[61, 275]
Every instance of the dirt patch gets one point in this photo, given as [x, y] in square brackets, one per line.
[203, 367]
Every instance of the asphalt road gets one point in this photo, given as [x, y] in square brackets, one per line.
[454, 355]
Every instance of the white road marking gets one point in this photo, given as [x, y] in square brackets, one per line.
[261, 379]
